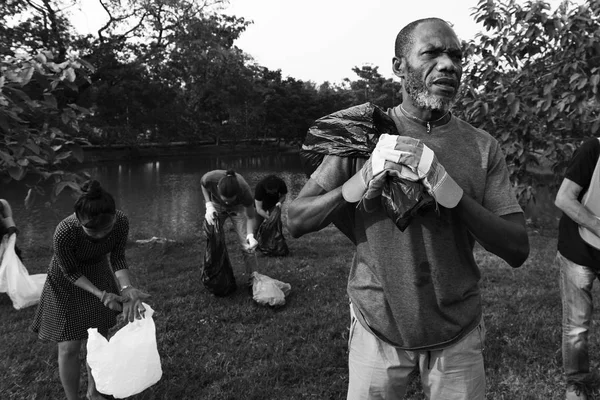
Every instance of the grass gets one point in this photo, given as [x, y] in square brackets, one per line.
[231, 348]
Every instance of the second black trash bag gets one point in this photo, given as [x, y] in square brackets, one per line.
[217, 274]
[270, 237]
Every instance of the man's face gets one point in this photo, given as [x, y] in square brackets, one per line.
[433, 67]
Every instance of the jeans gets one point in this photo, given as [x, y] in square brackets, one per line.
[379, 370]
[237, 215]
[576, 283]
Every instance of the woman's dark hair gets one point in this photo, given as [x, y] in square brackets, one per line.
[229, 185]
[94, 202]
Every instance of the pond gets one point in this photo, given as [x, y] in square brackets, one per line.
[162, 197]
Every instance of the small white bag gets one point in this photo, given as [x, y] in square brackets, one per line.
[23, 289]
[269, 291]
[129, 363]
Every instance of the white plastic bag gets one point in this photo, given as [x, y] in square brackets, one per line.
[129, 363]
[23, 289]
[269, 291]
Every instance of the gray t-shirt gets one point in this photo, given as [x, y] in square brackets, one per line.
[419, 289]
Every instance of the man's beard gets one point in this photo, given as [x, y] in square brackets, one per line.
[420, 95]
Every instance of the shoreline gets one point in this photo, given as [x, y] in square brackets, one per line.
[120, 152]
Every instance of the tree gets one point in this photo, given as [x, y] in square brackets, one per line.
[532, 81]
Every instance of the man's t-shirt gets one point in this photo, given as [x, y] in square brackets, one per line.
[580, 170]
[419, 289]
[270, 197]
[210, 181]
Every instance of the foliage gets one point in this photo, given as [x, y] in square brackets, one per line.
[39, 119]
[533, 81]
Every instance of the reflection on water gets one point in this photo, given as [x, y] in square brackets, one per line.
[162, 198]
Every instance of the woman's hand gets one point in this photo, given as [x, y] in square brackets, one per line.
[133, 307]
[112, 301]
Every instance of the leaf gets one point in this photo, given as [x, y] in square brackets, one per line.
[16, 172]
[70, 74]
[37, 160]
[514, 108]
[59, 187]
[77, 151]
[30, 198]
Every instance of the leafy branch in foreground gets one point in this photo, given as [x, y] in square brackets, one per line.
[39, 121]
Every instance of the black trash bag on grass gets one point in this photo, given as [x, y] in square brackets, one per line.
[271, 241]
[216, 272]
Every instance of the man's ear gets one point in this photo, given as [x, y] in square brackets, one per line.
[398, 66]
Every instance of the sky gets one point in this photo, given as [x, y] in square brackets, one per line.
[322, 40]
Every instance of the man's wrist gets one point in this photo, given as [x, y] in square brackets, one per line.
[125, 287]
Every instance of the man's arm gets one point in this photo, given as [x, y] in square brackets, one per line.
[313, 208]
[258, 204]
[251, 222]
[567, 201]
[504, 236]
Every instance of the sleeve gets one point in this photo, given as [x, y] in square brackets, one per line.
[499, 196]
[582, 164]
[259, 191]
[63, 242]
[333, 172]
[282, 187]
[117, 255]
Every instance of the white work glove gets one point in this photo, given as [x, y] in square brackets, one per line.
[369, 181]
[211, 213]
[251, 242]
[422, 161]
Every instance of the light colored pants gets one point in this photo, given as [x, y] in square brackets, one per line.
[238, 217]
[576, 283]
[379, 370]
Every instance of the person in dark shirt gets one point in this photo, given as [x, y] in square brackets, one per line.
[228, 196]
[269, 193]
[579, 265]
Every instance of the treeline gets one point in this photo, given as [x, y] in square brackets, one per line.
[170, 71]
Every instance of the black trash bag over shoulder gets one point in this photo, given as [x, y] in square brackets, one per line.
[216, 272]
[354, 132]
[270, 237]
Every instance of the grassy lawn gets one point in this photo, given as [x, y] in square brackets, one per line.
[232, 348]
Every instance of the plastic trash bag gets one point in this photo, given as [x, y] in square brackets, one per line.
[23, 289]
[354, 132]
[271, 241]
[129, 363]
[269, 291]
[216, 272]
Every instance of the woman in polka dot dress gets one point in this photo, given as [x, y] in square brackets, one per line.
[81, 291]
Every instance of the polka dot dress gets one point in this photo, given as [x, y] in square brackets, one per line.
[65, 311]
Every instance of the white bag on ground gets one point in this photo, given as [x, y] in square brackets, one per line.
[23, 289]
[269, 291]
[129, 363]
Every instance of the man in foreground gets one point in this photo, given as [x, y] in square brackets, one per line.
[415, 298]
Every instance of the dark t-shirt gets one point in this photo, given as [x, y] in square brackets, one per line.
[270, 197]
[210, 181]
[580, 170]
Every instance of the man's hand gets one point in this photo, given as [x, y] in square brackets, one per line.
[133, 307]
[211, 213]
[251, 242]
[423, 162]
[369, 181]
